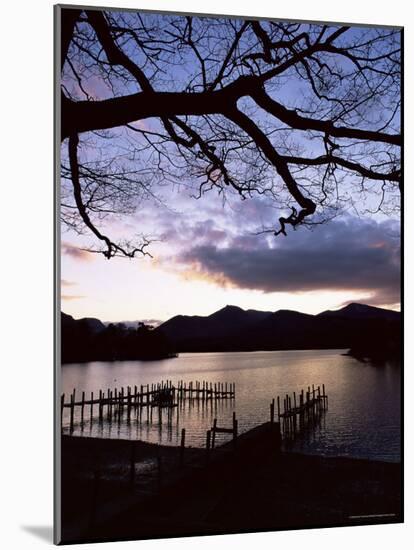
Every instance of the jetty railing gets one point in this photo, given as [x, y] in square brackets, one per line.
[211, 434]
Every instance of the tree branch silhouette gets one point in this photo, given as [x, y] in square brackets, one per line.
[213, 88]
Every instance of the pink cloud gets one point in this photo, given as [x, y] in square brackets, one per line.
[65, 282]
[75, 252]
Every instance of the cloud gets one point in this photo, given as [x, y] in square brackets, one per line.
[72, 251]
[153, 322]
[71, 297]
[183, 231]
[349, 254]
[66, 283]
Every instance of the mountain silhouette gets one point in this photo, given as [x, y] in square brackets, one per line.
[234, 329]
[217, 327]
[362, 311]
[91, 323]
[368, 332]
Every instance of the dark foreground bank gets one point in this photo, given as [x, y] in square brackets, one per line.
[114, 489]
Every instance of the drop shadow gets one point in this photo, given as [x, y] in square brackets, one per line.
[43, 532]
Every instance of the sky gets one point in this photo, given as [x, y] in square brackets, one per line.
[208, 253]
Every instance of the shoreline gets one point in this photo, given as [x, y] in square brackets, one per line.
[255, 484]
[147, 447]
[177, 354]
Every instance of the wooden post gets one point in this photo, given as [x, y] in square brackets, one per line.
[72, 409]
[213, 440]
[208, 444]
[100, 405]
[272, 411]
[91, 405]
[116, 402]
[119, 405]
[294, 411]
[182, 446]
[278, 408]
[62, 405]
[234, 431]
[82, 406]
[129, 403]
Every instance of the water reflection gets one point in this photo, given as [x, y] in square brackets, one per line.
[364, 399]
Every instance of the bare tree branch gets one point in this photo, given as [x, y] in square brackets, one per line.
[297, 112]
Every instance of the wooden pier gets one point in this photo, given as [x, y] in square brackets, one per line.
[299, 411]
[293, 414]
[113, 403]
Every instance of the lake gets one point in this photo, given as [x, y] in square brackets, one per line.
[362, 420]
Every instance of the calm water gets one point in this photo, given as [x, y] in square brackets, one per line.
[363, 419]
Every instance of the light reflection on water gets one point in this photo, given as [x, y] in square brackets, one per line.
[363, 419]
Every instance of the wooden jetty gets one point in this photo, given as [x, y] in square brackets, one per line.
[300, 410]
[292, 413]
[114, 402]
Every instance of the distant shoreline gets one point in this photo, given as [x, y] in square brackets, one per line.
[175, 355]
[346, 351]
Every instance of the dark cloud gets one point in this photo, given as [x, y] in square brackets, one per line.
[351, 254]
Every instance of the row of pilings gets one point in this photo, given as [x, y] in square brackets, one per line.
[117, 403]
[299, 411]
